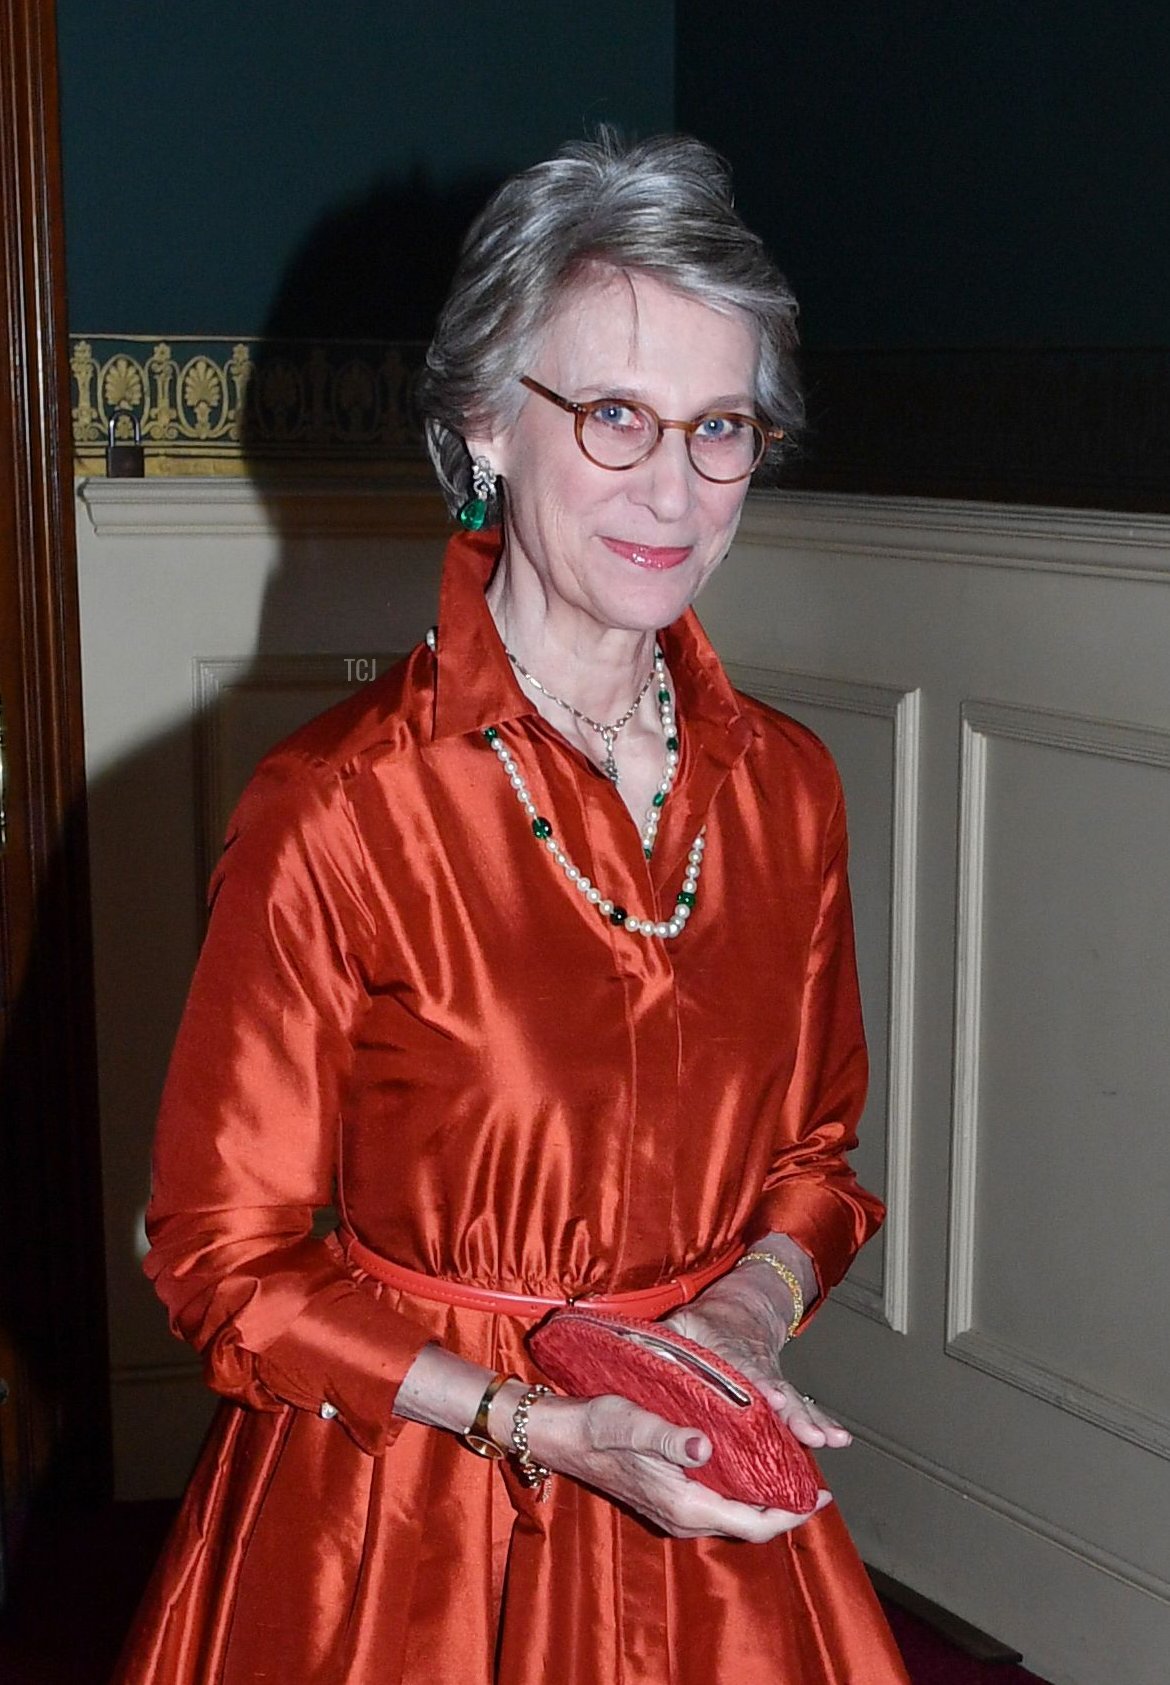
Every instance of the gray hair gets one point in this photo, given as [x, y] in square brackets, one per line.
[662, 207]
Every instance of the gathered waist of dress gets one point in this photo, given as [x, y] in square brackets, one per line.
[644, 1302]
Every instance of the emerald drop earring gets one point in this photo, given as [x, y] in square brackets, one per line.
[473, 513]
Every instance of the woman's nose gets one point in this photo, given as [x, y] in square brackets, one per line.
[666, 481]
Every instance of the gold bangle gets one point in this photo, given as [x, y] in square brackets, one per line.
[477, 1435]
[532, 1473]
[788, 1278]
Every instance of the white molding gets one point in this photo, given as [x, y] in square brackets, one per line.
[926, 529]
[971, 1491]
[196, 506]
[1117, 740]
[968, 1007]
[980, 722]
[902, 983]
[889, 1303]
[921, 529]
[1118, 1416]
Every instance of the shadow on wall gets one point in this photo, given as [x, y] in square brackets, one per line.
[331, 382]
[376, 267]
[374, 270]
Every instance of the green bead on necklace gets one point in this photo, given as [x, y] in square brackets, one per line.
[617, 915]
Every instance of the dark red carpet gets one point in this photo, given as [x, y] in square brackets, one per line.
[81, 1574]
[930, 1660]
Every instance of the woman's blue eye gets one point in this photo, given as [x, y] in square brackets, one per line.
[718, 428]
[622, 416]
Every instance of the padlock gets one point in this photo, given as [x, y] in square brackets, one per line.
[125, 458]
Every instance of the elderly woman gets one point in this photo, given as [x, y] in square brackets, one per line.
[534, 958]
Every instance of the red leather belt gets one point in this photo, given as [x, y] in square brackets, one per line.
[645, 1302]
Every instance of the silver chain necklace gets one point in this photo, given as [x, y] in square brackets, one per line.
[607, 733]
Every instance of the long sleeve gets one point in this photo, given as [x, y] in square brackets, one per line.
[811, 1192]
[247, 1139]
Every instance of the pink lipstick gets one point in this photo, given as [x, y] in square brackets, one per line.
[657, 557]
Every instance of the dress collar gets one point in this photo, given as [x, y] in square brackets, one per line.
[476, 687]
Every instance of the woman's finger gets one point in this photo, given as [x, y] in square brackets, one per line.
[620, 1425]
[811, 1424]
[758, 1525]
[643, 1460]
[691, 1510]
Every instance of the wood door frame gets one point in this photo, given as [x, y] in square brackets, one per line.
[54, 1427]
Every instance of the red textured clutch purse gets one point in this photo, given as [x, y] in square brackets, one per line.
[755, 1457]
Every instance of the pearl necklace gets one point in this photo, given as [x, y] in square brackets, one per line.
[543, 832]
[607, 733]
[649, 831]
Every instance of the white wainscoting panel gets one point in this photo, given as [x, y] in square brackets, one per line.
[873, 731]
[243, 707]
[1064, 916]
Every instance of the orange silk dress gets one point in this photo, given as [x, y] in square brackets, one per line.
[405, 1009]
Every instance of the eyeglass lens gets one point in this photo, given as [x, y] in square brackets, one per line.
[721, 447]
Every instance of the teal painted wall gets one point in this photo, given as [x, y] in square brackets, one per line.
[233, 168]
[991, 174]
[966, 177]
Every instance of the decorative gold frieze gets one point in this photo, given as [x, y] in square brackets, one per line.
[1084, 427]
[227, 406]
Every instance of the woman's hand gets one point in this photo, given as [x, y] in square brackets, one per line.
[639, 1459]
[608, 1443]
[743, 1318]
